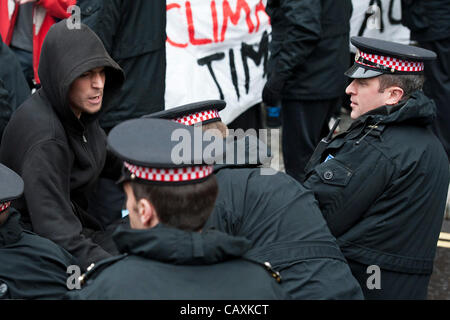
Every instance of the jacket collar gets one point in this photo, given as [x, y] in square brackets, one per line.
[171, 245]
[417, 109]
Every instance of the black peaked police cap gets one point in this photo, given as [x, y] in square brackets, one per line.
[189, 114]
[158, 151]
[11, 187]
[375, 57]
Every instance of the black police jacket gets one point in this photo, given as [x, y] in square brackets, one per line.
[382, 187]
[168, 263]
[309, 48]
[134, 34]
[31, 267]
[285, 226]
[59, 156]
[428, 20]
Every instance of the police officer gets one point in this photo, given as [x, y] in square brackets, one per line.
[274, 211]
[31, 267]
[382, 184]
[168, 254]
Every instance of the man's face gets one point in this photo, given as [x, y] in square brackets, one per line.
[365, 96]
[86, 92]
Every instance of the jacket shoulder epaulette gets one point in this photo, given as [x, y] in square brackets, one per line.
[98, 266]
[267, 266]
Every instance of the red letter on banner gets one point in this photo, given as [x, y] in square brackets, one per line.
[191, 28]
[215, 23]
[234, 16]
[260, 7]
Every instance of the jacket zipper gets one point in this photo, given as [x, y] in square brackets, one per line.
[90, 156]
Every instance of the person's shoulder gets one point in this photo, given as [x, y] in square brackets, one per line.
[263, 281]
[36, 120]
[45, 247]
[111, 265]
[408, 138]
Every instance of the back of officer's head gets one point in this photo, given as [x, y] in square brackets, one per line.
[181, 192]
[185, 207]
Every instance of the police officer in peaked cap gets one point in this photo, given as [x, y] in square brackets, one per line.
[31, 267]
[382, 184]
[167, 253]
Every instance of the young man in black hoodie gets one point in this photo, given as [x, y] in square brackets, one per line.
[55, 143]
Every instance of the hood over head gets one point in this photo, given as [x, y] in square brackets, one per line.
[68, 53]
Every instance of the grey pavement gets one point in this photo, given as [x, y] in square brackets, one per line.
[438, 288]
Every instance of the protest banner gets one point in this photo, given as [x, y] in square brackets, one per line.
[217, 49]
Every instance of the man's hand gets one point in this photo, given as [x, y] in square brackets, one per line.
[271, 94]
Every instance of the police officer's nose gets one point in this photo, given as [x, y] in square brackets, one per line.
[350, 88]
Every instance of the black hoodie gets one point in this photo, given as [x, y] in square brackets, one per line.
[58, 155]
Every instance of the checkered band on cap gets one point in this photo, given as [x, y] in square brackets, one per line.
[197, 117]
[389, 62]
[170, 175]
[4, 206]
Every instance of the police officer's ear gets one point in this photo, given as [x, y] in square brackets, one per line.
[147, 213]
[395, 94]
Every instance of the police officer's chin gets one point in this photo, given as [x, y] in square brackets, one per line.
[356, 112]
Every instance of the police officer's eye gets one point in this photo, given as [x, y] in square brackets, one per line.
[362, 82]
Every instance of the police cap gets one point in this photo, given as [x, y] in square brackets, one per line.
[375, 57]
[189, 114]
[154, 152]
[11, 187]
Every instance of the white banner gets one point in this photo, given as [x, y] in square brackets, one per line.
[216, 49]
[379, 19]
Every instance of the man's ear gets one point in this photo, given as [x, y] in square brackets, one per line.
[147, 213]
[395, 95]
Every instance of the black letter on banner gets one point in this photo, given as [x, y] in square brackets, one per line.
[208, 60]
[392, 20]
[233, 72]
[247, 51]
[370, 14]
